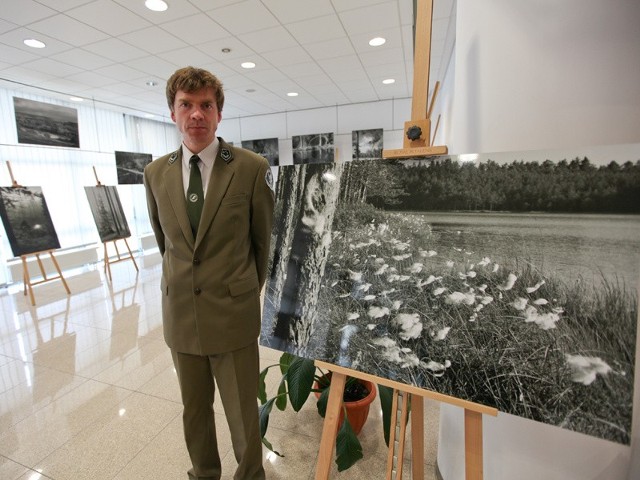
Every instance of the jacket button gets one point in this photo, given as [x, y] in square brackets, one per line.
[197, 291]
[196, 261]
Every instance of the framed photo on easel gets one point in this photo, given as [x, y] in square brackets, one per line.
[27, 220]
[107, 212]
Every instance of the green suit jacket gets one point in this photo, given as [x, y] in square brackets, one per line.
[211, 284]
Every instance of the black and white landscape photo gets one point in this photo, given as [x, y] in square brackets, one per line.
[510, 281]
[267, 147]
[27, 221]
[367, 144]
[316, 148]
[130, 166]
[42, 123]
[107, 212]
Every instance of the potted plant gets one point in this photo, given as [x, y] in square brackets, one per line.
[300, 377]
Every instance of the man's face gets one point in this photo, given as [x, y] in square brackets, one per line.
[197, 117]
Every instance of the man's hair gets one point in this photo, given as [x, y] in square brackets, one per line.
[191, 79]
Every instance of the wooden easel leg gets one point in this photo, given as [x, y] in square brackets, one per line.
[397, 434]
[417, 437]
[473, 445]
[27, 280]
[131, 255]
[64, 282]
[107, 267]
[330, 425]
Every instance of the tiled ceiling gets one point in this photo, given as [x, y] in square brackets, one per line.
[107, 51]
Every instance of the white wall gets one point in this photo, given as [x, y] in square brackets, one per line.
[389, 115]
[534, 75]
[546, 74]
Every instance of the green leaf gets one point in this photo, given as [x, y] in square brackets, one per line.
[300, 379]
[348, 447]
[322, 402]
[285, 361]
[262, 386]
[386, 402]
[263, 414]
[281, 399]
[267, 444]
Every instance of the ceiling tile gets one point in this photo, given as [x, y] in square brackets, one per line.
[6, 26]
[63, 5]
[15, 56]
[47, 65]
[393, 37]
[317, 29]
[153, 40]
[23, 12]
[243, 17]
[196, 29]
[177, 9]
[287, 56]
[371, 18]
[108, 17]
[287, 11]
[342, 5]
[93, 79]
[214, 49]
[116, 50]
[68, 30]
[382, 57]
[275, 38]
[154, 66]
[16, 37]
[82, 59]
[186, 56]
[300, 69]
[337, 47]
[121, 72]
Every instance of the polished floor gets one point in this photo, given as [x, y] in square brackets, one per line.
[88, 391]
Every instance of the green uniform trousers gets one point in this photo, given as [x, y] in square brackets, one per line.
[236, 375]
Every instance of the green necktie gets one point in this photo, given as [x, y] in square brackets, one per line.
[195, 195]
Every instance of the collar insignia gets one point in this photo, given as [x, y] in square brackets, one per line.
[173, 157]
[225, 154]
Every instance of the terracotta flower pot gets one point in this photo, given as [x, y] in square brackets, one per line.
[357, 411]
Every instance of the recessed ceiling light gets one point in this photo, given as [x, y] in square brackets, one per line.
[250, 90]
[33, 43]
[292, 94]
[76, 99]
[152, 83]
[149, 115]
[377, 41]
[226, 50]
[389, 81]
[156, 5]
[248, 65]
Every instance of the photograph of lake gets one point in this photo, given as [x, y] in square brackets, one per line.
[508, 279]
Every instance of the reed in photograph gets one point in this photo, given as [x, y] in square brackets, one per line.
[510, 284]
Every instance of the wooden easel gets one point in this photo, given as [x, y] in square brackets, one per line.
[402, 393]
[28, 284]
[418, 140]
[121, 258]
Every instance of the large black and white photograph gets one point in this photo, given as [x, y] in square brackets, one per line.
[316, 148]
[510, 280]
[367, 144]
[107, 212]
[267, 147]
[27, 221]
[42, 123]
[130, 166]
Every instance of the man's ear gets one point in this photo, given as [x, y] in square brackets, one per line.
[173, 116]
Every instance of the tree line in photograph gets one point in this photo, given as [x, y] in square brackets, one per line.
[575, 186]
